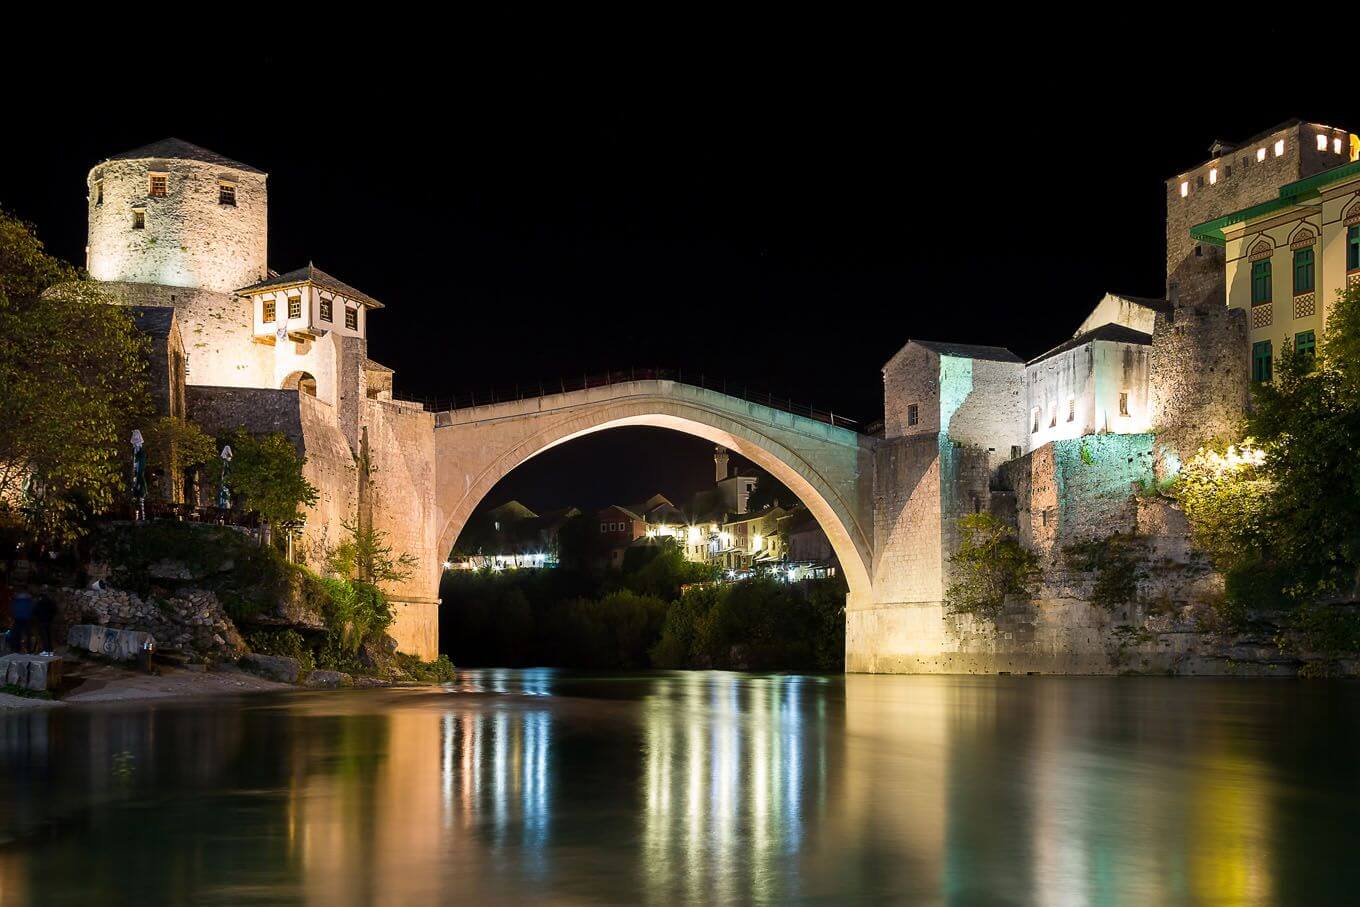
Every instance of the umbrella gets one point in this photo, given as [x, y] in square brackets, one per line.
[224, 490]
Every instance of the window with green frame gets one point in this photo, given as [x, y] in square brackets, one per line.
[1303, 270]
[1260, 360]
[1305, 343]
[1353, 248]
[1260, 282]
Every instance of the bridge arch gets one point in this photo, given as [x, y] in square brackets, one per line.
[821, 464]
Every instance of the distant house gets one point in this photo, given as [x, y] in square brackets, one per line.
[620, 526]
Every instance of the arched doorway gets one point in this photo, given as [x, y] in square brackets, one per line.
[302, 382]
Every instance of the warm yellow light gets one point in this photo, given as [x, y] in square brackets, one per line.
[1213, 175]
[755, 542]
[1185, 188]
[1279, 148]
[1260, 154]
[1322, 142]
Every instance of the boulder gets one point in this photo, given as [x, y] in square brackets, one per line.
[31, 672]
[329, 680]
[107, 642]
[271, 667]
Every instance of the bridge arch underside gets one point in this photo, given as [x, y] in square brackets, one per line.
[836, 515]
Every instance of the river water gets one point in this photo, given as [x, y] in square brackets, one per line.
[701, 788]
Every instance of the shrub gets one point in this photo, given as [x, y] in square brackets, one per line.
[989, 565]
[1117, 562]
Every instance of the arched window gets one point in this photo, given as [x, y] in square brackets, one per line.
[1353, 248]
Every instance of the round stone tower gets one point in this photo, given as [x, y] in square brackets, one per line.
[177, 215]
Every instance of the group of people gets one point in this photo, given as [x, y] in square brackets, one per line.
[27, 619]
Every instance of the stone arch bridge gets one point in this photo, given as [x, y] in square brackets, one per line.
[883, 503]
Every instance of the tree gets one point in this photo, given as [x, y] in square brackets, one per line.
[174, 445]
[367, 557]
[73, 379]
[990, 565]
[1283, 508]
[266, 474]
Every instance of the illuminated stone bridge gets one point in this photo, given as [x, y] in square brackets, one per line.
[881, 501]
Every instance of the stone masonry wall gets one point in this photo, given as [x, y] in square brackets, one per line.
[401, 490]
[1200, 378]
[190, 621]
[216, 330]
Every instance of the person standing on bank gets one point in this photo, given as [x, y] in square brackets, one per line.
[44, 612]
[22, 609]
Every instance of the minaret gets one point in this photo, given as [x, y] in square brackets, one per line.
[720, 463]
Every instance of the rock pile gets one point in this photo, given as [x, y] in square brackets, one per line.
[192, 620]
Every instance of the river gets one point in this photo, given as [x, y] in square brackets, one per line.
[699, 788]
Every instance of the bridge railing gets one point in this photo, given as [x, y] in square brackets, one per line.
[562, 385]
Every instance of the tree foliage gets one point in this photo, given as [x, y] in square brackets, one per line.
[989, 565]
[73, 380]
[266, 476]
[174, 445]
[1285, 504]
[366, 556]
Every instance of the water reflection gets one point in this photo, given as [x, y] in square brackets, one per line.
[724, 784]
[693, 788]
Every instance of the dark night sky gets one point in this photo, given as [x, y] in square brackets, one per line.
[787, 234]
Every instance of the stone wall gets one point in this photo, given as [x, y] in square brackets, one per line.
[401, 501]
[190, 239]
[190, 621]
[1200, 379]
[216, 332]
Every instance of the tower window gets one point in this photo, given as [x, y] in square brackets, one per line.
[1336, 145]
[1305, 343]
[99, 192]
[325, 309]
[1213, 175]
[1052, 415]
[913, 414]
[1123, 403]
[1303, 270]
[1260, 154]
[1353, 248]
[1071, 409]
[1260, 361]
[226, 194]
[1322, 142]
[351, 318]
[157, 187]
[138, 219]
[1185, 188]
[1279, 148]
[1034, 420]
[1260, 282]
[294, 306]
[268, 316]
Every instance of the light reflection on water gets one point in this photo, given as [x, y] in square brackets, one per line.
[694, 788]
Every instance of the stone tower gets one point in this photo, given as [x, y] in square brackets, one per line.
[719, 463]
[173, 214]
[1237, 176]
